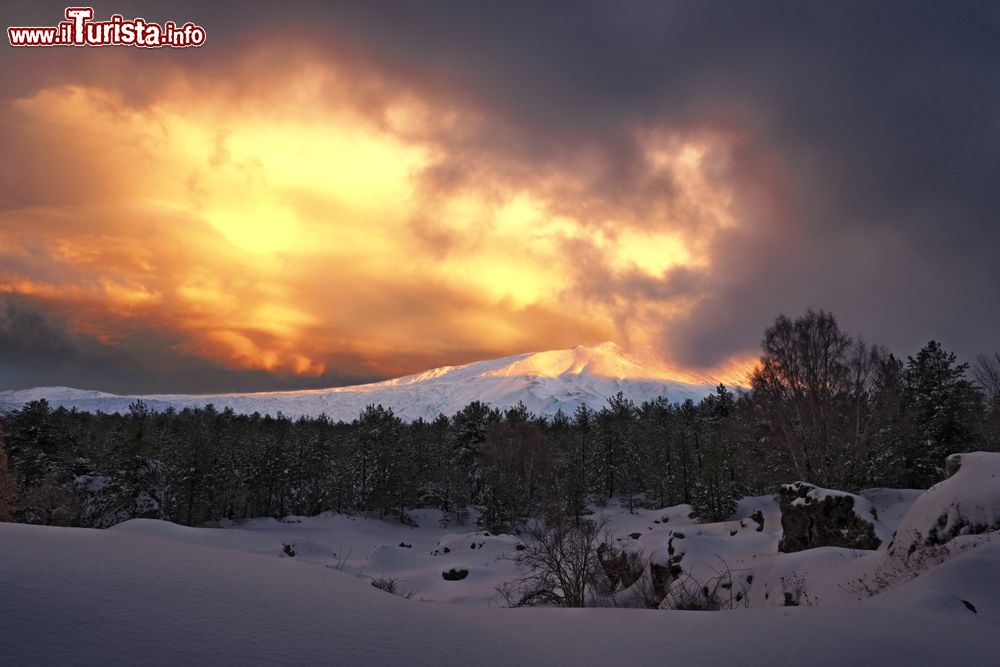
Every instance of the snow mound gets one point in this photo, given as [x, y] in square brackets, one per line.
[482, 542]
[892, 504]
[967, 503]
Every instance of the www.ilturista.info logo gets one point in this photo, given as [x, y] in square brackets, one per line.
[80, 30]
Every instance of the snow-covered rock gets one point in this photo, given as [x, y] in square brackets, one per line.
[813, 517]
[966, 503]
[544, 381]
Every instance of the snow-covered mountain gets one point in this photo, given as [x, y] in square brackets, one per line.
[543, 381]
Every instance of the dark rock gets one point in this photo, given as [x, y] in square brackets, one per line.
[947, 528]
[758, 518]
[661, 577]
[404, 545]
[829, 519]
[635, 536]
[971, 607]
[455, 575]
[620, 567]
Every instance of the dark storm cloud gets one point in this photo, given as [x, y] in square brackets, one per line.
[40, 349]
[883, 115]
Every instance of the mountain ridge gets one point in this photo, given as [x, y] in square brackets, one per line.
[544, 381]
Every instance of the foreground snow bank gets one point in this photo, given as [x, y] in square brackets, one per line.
[121, 597]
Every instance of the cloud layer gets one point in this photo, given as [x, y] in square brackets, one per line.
[350, 192]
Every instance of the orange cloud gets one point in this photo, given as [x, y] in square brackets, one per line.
[281, 214]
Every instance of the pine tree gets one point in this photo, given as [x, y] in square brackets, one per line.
[573, 446]
[686, 448]
[942, 404]
[133, 485]
[656, 421]
[619, 468]
[377, 457]
[884, 463]
[40, 454]
[468, 432]
[442, 477]
[715, 490]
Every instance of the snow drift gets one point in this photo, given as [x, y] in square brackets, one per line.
[111, 597]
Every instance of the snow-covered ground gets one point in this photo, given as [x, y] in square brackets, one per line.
[121, 597]
[544, 381]
[152, 592]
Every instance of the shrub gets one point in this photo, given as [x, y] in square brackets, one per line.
[390, 585]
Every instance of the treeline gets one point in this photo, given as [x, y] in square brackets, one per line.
[821, 407]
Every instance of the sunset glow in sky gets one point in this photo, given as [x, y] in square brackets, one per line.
[324, 209]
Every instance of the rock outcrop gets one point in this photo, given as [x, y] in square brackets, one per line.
[621, 567]
[812, 517]
[663, 574]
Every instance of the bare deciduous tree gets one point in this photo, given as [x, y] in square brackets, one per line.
[987, 374]
[803, 369]
[558, 562]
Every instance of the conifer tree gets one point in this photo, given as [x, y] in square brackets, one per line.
[942, 404]
[468, 432]
[714, 492]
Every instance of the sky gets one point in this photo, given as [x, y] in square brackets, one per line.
[329, 193]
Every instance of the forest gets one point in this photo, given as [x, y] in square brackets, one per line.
[821, 406]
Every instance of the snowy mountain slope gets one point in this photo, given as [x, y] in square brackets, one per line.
[115, 597]
[544, 382]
